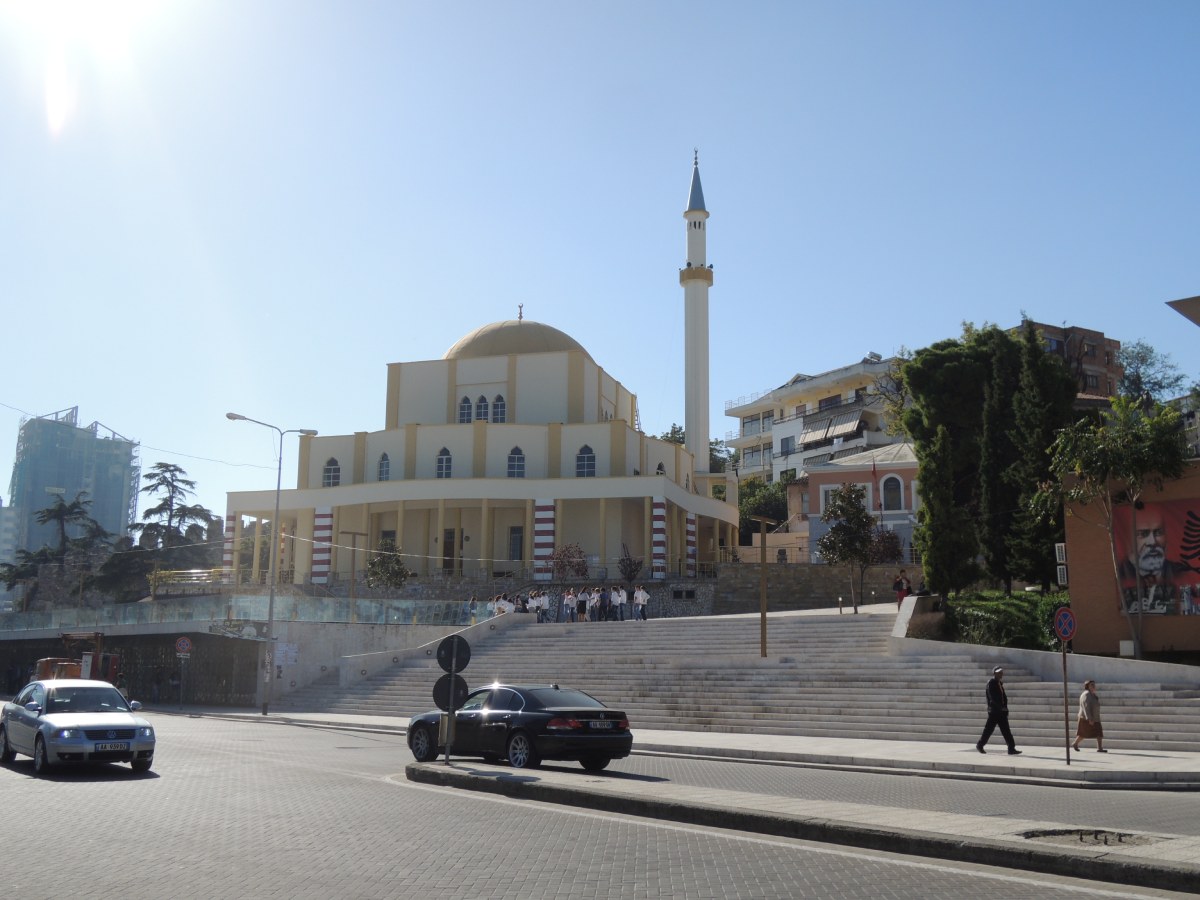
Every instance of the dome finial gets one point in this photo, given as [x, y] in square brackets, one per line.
[696, 157]
[520, 312]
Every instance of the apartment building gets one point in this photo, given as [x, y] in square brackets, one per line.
[810, 420]
[1090, 356]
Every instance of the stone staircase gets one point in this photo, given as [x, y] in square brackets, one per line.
[824, 676]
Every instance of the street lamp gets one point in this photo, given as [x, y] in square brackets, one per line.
[238, 417]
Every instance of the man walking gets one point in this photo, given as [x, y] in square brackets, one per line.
[997, 703]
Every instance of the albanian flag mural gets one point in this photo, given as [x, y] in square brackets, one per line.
[1158, 557]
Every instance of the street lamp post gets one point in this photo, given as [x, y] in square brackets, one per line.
[274, 564]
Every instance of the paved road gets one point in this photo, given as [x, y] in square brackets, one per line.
[243, 810]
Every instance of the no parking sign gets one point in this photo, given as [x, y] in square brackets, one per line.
[1064, 624]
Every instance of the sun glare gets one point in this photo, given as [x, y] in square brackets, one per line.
[78, 37]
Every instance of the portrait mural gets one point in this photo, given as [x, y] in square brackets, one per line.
[1158, 557]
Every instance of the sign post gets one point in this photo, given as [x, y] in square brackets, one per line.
[1064, 627]
[453, 654]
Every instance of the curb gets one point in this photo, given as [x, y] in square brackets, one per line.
[1099, 865]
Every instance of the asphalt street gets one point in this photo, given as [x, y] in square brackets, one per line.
[248, 810]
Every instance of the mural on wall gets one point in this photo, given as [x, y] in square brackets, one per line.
[1160, 543]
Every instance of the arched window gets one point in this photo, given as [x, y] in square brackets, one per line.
[481, 409]
[893, 493]
[332, 475]
[443, 463]
[464, 410]
[661, 470]
[585, 463]
[499, 409]
[516, 463]
[385, 467]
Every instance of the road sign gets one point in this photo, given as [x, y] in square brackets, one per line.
[1064, 624]
[441, 692]
[453, 654]
[183, 644]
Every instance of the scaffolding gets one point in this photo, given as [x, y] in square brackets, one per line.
[57, 457]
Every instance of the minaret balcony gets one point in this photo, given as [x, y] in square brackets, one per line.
[696, 273]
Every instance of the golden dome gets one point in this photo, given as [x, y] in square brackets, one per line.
[512, 336]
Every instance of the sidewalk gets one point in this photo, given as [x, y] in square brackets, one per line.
[1164, 861]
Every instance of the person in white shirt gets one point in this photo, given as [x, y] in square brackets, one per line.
[640, 599]
[619, 598]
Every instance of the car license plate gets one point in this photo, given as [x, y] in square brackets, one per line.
[601, 723]
[120, 745]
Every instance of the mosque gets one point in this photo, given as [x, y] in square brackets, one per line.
[514, 444]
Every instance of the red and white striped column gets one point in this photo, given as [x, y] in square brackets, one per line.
[691, 545]
[543, 540]
[322, 544]
[227, 551]
[658, 537]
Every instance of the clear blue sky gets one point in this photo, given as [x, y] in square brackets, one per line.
[212, 205]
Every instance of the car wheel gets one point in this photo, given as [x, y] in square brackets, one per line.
[41, 762]
[7, 753]
[595, 763]
[141, 765]
[423, 744]
[521, 752]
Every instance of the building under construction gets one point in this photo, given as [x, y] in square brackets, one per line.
[57, 457]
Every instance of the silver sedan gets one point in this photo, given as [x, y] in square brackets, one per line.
[73, 721]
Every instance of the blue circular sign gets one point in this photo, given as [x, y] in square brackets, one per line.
[1064, 624]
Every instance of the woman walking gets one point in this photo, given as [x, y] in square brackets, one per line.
[1089, 717]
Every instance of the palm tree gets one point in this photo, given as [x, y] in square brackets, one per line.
[64, 515]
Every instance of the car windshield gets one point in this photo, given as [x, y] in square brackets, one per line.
[564, 697]
[86, 699]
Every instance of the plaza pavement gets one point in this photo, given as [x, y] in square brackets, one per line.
[1160, 860]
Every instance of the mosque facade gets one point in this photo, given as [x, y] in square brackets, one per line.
[515, 444]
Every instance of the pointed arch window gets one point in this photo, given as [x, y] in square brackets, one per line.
[331, 476]
[585, 462]
[893, 494]
[661, 470]
[499, 409]
[464, 410]
[385, 467]
[481, 409]
[516, 463]
[443, 463]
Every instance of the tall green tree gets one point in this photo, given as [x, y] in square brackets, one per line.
[854, 538]
[945, 533]
[1111, 459]
[997, 455]
[1043, 404]
[173, 526]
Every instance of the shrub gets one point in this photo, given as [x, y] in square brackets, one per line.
[1021, 621]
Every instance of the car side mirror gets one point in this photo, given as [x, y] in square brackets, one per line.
[33, 706]
[135, 705]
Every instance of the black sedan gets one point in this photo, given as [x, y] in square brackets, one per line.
[527, 724]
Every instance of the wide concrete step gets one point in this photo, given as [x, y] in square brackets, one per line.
[825, 676]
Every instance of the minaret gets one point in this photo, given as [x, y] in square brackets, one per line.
[696, 278]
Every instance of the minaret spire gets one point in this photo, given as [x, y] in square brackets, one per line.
[696, 278]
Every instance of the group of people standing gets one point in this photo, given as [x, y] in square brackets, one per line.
[599, 604]
[1087, 724]
[602, 604]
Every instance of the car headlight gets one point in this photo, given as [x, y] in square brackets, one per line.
[66, 734]
[146, 732]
